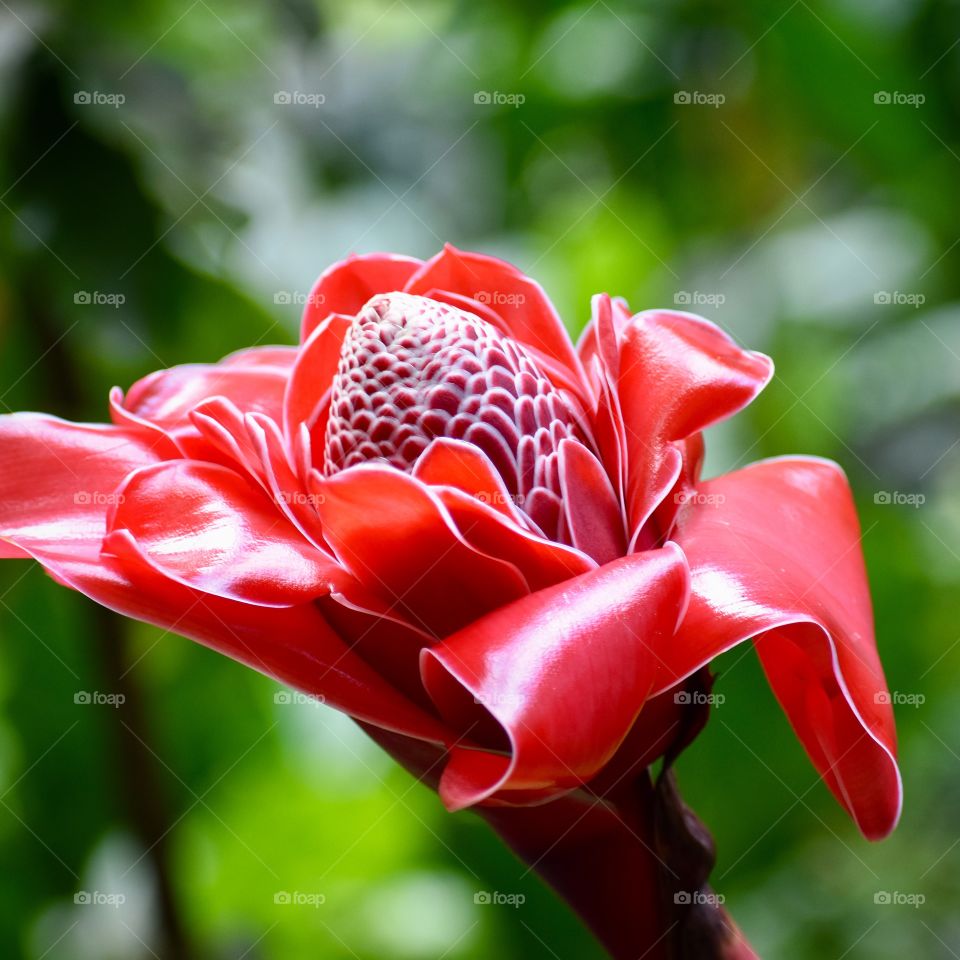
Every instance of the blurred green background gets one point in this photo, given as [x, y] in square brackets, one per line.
[789, 169]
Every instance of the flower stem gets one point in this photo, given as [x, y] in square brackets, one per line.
[633, 864]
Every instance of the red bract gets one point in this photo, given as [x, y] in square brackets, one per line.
[493, 550]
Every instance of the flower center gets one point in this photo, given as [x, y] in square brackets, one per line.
[413, 369]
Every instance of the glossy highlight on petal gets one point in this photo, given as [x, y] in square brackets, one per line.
[678, 374]
[205, 526]
[58, 479]
[589, 643]
[774, 552]
[166, 398]
[417, 562]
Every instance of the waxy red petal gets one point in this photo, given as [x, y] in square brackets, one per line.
[283, 483]
[520, 301]
[774, 552]
[294, 645]
[224, 437]
[156, 436]
[540, 562]
[678, 374]
[389, 646]
[349, 284]
[57, 479]
[563, 672]
[307, 396]
[278, 356]
[456, 463]
[658, 528]
[599, 350]
[208, 527]
[167, 398]
[254, 445]
[590, 504]
[413, 556]
[600, 340]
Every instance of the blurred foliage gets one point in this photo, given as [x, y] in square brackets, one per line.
[810, 220]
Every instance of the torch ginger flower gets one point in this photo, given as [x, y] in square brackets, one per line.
[493, 550]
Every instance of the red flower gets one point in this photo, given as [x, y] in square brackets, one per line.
[490, 548]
